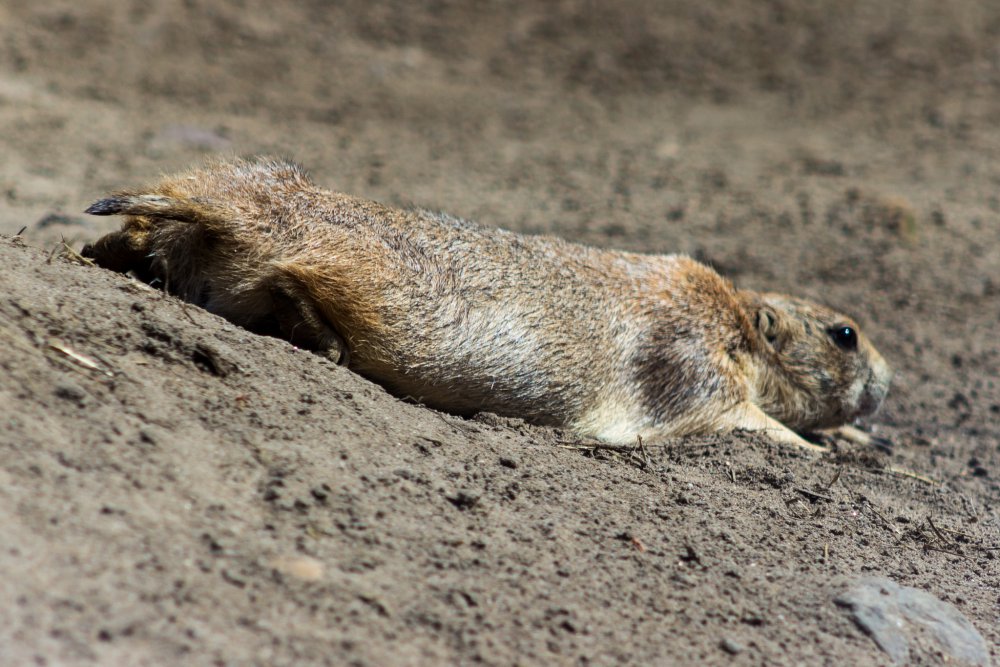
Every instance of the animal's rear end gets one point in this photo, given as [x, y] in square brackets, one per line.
[218, 237]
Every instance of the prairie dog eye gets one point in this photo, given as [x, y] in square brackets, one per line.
[845, 337]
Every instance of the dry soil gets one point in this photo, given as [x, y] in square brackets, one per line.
[174, 489]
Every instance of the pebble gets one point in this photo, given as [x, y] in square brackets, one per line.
[71, 392]
[731, 646]
[304, 568]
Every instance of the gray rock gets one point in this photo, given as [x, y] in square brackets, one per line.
[902, 619]
[731, 646]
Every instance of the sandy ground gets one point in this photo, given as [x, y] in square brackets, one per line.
[173, 488]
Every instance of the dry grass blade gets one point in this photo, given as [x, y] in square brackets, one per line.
[833, 481]
[66, 251]
[80, 359]
[599, 446]
[632, 452]
[938, 533]
[899, 472]
[956, 532]
[881, 518]
[642, 450]
[950, 552]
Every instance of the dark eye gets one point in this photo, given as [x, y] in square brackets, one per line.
[845, 337]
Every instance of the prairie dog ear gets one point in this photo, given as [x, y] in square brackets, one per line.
[769, 327]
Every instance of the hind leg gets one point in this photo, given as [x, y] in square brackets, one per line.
[301, 323]
[122, 251]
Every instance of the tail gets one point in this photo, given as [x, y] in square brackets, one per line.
[190, 210]
[142, 238]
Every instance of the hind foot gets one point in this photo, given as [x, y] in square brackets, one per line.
[301, 324]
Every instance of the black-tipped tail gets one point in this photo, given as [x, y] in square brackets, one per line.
[109, 206]
[155, 205]
[161, 207]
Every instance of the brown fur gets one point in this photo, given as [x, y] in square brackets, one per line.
[466, 318]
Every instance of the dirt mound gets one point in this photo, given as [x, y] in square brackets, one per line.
[175, 488]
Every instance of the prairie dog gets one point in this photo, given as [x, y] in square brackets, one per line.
[465, 318]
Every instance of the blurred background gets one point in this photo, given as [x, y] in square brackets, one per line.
[586, 118]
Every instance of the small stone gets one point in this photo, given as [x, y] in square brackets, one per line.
[731, 646]
[71, 392]
[304, 568]
[150, 435]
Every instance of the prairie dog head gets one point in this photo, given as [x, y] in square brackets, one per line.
[816, 368]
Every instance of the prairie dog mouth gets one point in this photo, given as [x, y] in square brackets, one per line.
[873, 396]
[869, 404]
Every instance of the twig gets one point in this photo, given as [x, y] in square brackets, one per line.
[618, 447]
[813, 494]
[187, 314]
[946, 551]
[642, 450]
[795, 501]
[833, 481]
[937, 532]
[603, 446]
[636, 451]
[956, 532]
[882, 518]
